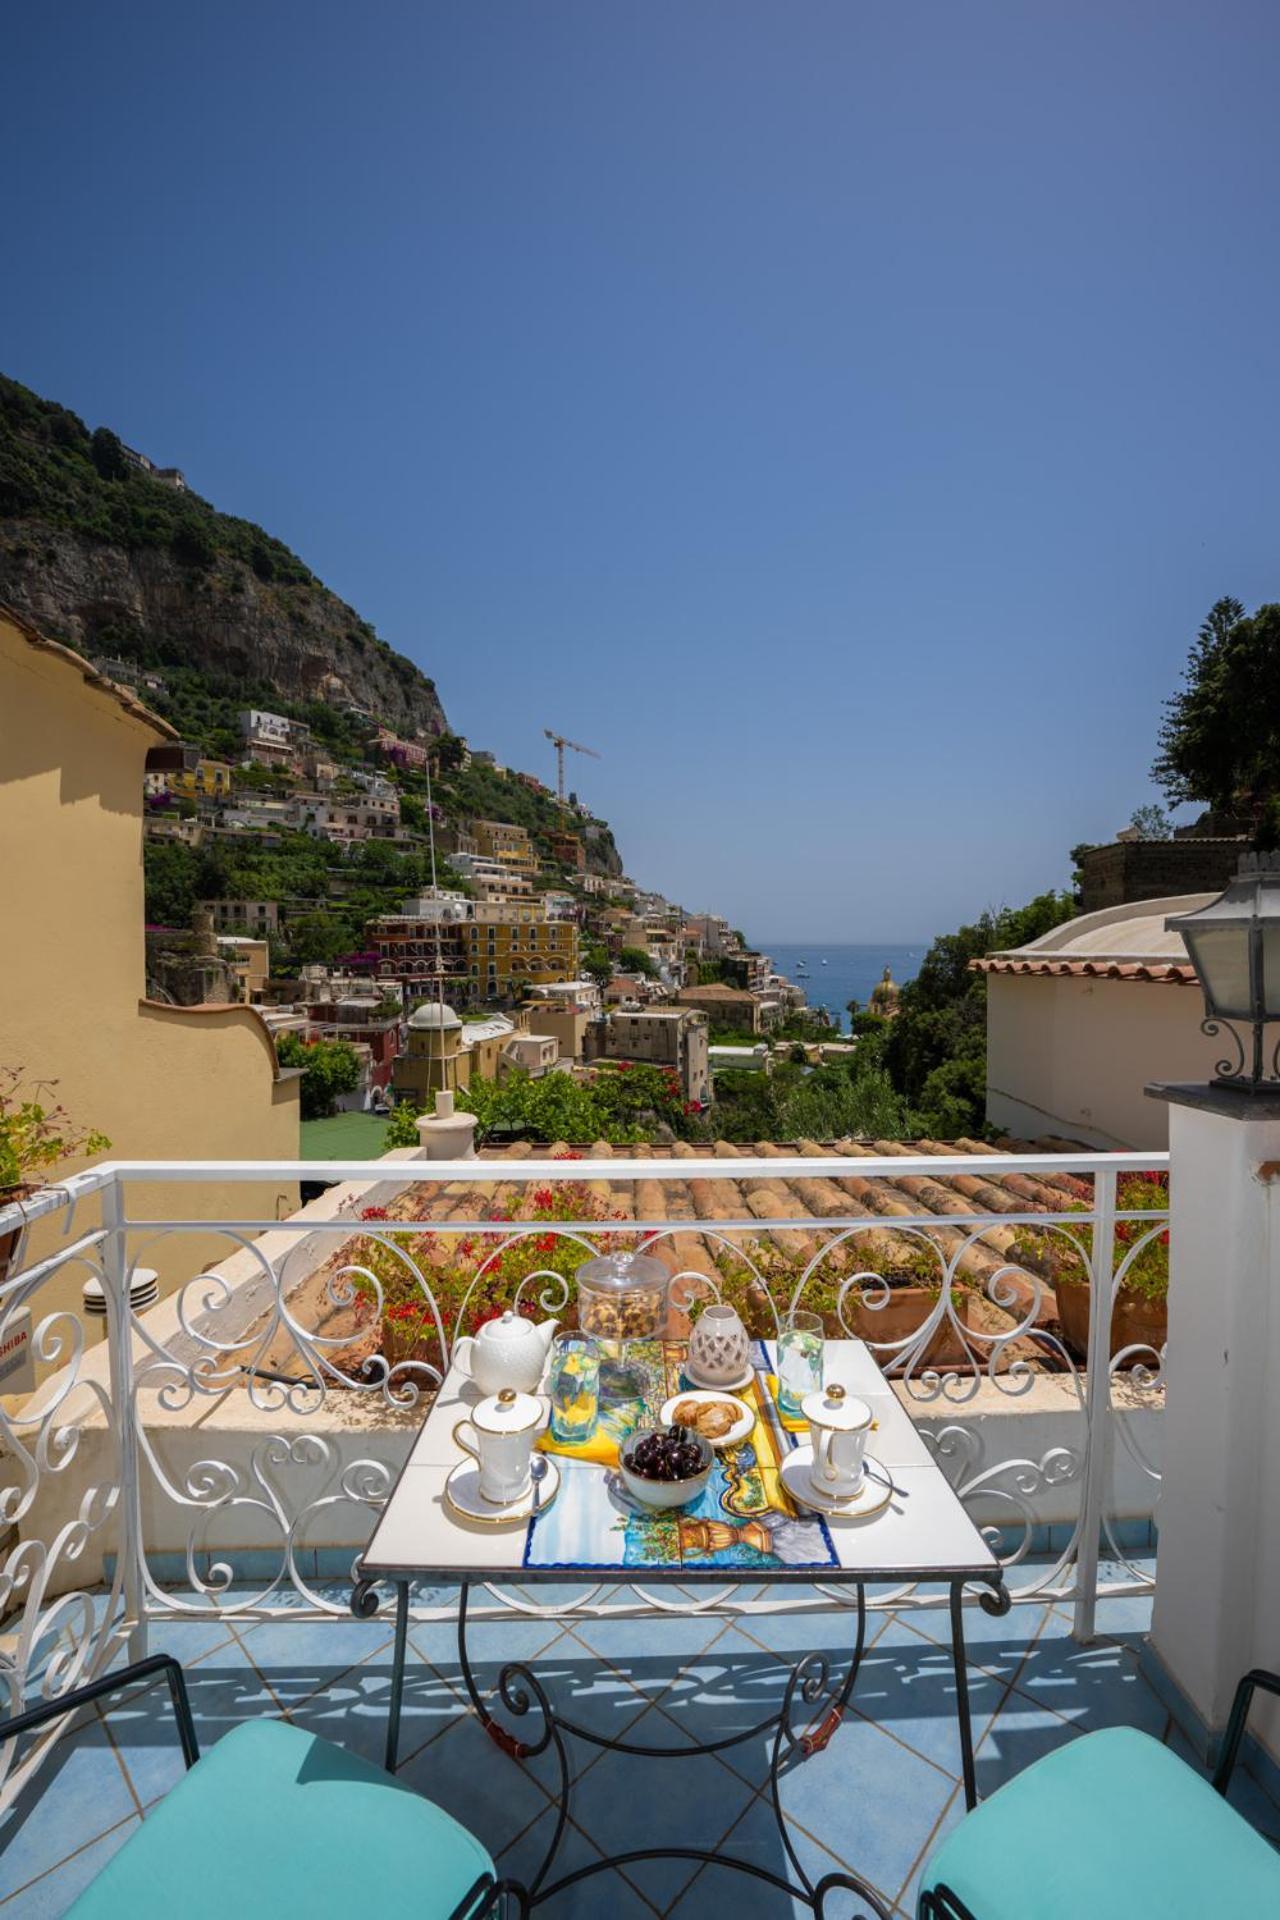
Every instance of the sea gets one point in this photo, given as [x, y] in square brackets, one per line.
[833, 975]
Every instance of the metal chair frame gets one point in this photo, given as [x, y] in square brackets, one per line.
[942, 1903]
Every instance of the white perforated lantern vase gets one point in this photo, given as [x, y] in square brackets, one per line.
[719, 1348]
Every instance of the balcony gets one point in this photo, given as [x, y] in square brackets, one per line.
[204, 1485]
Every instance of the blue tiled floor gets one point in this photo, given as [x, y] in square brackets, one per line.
[875, 1801]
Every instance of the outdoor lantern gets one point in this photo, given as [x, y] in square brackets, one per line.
[1234, 944]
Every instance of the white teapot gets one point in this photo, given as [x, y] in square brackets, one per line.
[508, 1352]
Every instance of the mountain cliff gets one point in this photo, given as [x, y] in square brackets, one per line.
[99, 552]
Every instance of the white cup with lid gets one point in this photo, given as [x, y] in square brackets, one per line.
[840, 1425]
[500, 1435]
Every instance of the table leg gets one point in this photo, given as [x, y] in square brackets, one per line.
[962, 1694]
[397, 1674]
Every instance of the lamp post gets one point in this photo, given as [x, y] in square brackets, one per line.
[1234, 946]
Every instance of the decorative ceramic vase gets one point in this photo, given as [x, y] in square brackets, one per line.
[719, 1349]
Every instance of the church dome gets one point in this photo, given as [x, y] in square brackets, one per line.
[884, 995]
[433, 1017]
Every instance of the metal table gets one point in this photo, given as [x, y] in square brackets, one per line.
[923, 1534]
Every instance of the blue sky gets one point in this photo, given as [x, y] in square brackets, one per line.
[839, 415]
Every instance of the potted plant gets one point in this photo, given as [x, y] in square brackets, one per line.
[36, 1133]
[912, 1275]
[1140, 1319]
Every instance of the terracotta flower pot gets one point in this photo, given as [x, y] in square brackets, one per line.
[1138, 1321]
[904, 1313]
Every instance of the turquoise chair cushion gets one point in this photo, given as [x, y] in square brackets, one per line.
[275, 1822]
[1108, 1827]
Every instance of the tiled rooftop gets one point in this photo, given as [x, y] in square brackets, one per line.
[876, 1799]
[695, 1206]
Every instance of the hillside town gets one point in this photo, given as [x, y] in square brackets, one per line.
[529, 959]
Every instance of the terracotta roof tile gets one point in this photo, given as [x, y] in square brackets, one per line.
[1171, 973]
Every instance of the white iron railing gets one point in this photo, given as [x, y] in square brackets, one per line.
[173, 1469]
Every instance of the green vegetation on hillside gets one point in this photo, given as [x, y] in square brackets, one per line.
[54, 470]
[481, 794]
[935, 1049]
[348, 889]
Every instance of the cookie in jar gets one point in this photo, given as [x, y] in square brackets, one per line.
[623, 1297]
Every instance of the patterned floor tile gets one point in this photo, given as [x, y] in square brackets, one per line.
[953, 1813]
[996, 1644]
[188, 1638]
[756, 1840]
[648, 1649]
[51, 1895]
[226, 1688]
[462, 1771]
[79, 1793]
[1022, 1733]
[490, 1643]
[731, 1687]
[792, 1635]
[1092, 1686]
[352, 1710]
[908, 1687]
[142, 1728]
[602, 1893]
[311, 1652]
[869, 1800]
[624, 1802]
[1127, 1619]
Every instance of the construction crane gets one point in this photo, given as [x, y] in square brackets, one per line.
[559, 742]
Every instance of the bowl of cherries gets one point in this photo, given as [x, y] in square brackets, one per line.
[665, 1466]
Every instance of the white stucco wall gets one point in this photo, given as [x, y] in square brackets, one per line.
[1071, 1056]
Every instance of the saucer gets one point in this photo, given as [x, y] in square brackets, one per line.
[738, 1431]
[871, 1497]
[744, 1379]
[462, 1494]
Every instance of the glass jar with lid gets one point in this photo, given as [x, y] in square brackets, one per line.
[622, 1298]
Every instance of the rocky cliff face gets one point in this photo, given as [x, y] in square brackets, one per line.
[294, 636]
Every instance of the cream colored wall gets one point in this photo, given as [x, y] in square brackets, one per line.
[1072, 1056]
[161, 1082]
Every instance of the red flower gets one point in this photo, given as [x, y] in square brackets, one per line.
[375, 1213]
[570, 1153]
[545, 1243]
[543, 1197]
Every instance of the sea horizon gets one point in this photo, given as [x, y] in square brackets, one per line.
[837, 971]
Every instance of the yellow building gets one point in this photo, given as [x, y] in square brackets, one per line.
[207, 780]
[250, 962]
[163, 1082]
[442, 1051]
[186, 774]
[500, 840]
[505, 945]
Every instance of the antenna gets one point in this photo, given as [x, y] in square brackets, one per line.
[559, 742]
